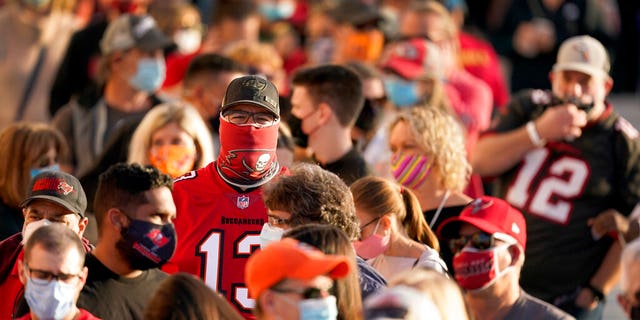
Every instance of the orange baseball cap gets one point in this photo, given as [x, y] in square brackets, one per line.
[290, 259]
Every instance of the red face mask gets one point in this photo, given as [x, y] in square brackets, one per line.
[247, 154]
[477, 269]
[124, 6]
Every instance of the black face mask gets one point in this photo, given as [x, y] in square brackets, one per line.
[586, 107]
[369, 116]
[299, 137]
[635, 313]
[147, 245]
[215, 123]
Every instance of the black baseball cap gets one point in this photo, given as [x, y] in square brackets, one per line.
[254, 90]
[59, 187]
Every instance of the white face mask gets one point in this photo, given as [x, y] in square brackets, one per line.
[187, 40]
[270, 234]
[28, 230]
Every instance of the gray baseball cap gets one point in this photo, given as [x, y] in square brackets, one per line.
[133, 31]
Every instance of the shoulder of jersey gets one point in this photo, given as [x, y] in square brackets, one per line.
[187, 176]
[540, 97]
[626, 128]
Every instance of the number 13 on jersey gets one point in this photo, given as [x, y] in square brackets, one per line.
[214, 268]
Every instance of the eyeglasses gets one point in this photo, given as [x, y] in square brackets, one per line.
[478, 240]
[386, 312]
[368, 223]
[277, 221]
[307, 293]
[240, 117]
[46, 276]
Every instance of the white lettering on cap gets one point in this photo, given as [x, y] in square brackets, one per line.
[514, 228]
[146, 24]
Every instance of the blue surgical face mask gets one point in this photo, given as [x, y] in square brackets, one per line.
[149, 75]
[36, 171]
[50, 300]
[318, 309]
[402, 93]
[273, 11]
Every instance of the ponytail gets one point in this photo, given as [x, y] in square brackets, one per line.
[414, 222]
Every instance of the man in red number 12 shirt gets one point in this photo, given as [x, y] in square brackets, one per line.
[220, 211]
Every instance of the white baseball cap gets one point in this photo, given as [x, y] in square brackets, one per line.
[584, 54]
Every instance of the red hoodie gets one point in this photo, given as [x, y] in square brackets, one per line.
[11, 251]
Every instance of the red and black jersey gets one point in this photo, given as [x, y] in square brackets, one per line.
[218, 228]
[560, 186]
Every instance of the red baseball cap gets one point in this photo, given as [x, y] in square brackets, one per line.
[413, 59]
[290, 259]
[491, 215]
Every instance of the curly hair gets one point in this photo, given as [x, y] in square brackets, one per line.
[441, 137]
[312, 194]
[123, 186]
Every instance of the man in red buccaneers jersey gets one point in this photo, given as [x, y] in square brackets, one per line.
[220, 211]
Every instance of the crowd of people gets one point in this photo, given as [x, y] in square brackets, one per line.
[316, 159]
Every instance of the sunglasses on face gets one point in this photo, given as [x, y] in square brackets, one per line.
[307, 293]
[478, 240]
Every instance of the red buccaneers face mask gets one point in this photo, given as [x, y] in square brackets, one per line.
[247, 154]
[477, 269]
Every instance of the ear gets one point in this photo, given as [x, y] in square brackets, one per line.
[608, 84]
[517, 254]
[83, 274]
[325, 112]
[114, 216]
[552, 75]
[82, 225]
[385, 222]
[24, 213]
[21, 275]
[267, 302]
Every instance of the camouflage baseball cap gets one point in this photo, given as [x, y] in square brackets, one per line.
[254, 90]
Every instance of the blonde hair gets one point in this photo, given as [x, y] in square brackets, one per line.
[442, 291]
[21, 145]
[441, 137]
[254, 54]
[186, 117]
[437, 8]
[380, 196]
